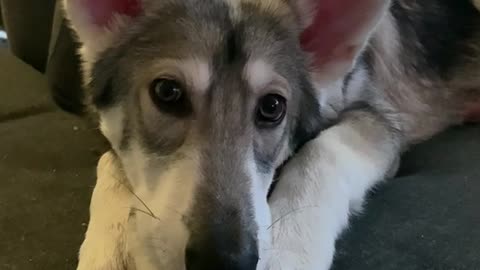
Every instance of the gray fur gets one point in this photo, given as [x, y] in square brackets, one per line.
[423, 72]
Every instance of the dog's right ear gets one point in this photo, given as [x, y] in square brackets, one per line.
[98, 22]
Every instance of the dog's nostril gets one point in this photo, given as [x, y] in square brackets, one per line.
[204, 257]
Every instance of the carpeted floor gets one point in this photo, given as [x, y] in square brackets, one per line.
[47, 161]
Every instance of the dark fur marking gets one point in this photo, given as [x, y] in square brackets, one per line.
[366, 60]
[105, 87]
[309, 120]
[103, 94]
[442, 27]
[231, 47]
[346, 82]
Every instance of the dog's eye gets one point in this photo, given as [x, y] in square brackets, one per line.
[271, 110]
[169, 96]
[163, 91]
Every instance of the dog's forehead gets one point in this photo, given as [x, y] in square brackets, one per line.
[205, 36]
[236, 8]
[206, 39]
[277, 7]
[199, 27]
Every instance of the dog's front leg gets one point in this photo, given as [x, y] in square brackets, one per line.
[322, 185]
[105, 246]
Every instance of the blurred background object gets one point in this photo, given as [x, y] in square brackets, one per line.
[3, 34]
[29, 26]
[38, 35]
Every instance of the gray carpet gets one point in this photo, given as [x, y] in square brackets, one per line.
[47, 165]
[428, 218]
[47, 172]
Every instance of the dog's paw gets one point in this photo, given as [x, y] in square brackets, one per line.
[101, 265]
[105, 244]
[299, 241]
[102, 256]
[109, 168]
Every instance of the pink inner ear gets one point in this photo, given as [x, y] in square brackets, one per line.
[335, 22]
[102, 11]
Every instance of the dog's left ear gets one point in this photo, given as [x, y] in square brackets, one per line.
[336, 31]
[98, 22]
[334, 34]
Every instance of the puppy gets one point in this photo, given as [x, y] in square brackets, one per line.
[203, 101]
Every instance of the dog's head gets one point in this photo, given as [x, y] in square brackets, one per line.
[203, 100]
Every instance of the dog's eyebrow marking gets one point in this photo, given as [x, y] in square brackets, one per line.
[259, 74]
[231, 46]
[198, 73]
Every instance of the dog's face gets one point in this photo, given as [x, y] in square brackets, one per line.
[202, 101]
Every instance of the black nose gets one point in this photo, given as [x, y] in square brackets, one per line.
[206, 255]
